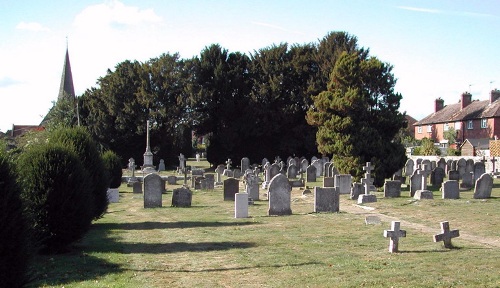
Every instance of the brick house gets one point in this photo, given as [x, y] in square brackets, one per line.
[470, 119]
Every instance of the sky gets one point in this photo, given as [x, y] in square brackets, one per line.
[437, 48]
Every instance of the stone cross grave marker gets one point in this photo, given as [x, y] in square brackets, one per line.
[367, 181]
[446, 235]
[493, 160]
[182, 165]
[423, 193]
[395, 233]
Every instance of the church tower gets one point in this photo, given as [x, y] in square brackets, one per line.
[66, 90]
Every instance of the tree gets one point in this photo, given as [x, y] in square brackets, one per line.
[358, 118]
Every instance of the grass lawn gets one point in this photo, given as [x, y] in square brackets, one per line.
[205, 246]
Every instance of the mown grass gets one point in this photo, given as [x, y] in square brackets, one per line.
[206, 246]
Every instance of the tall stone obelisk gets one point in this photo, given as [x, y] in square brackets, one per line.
[148, 156]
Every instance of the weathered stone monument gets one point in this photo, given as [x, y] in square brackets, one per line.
[311, 173]
[182, 197]
[392, 189]
[343, 182]
[245, 164]
[423, 193]
[252, 186]
[367, 182]
[231, 187]
[356, 190]
[131, 168]
[395, 233]
[152, 191]
[483, 187]
[279, 196]
[148, 155]
[161, 166]
[113, 195]
[326, 199]
[450, 190]
[479, 169]
[437, 177]
[446, 235]
[409, 167]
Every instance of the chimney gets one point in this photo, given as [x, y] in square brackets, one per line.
[439, 104]
[494, 95]
[466, 99]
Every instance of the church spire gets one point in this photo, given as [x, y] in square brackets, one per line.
[66, 90]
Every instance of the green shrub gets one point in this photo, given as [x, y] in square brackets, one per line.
[113, 164]
[55, 193]
[14, 242]
[80, 140]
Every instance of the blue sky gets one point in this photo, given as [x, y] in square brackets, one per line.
[437, 48]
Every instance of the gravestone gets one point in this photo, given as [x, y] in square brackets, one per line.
[343, 182]
[231, 187]
[113, 195]
[172, 180]
[479, 169]
[483, 187]
[311, 173]
[161, 166]
[433, 165]
[245, 164]
[426, 165]
[334, 171]
[450, 190]
[137, 187]
[209, 182]
[409, 167]
[367, 182]
[326, 199]
[446, 235]
[356, 190]
[132, 180]
[292, 171]
[303, 165]
[197, 172]
[395, 233]
[437, 177]
[319, 167]
[328, 182]
[423, 193]
[279, 195]
[415, 182]
[252, 186]
[182, 163]
[418, 162]
[442, 164]
[392, 189]
[241, 205]
[453, 175]
[182, 197]
[454, 165]
[469, 166]
[448, 166]
[218, 176]
[264, 162]
[326, 169]
[466, 180]
[461, 167]
[152, 191]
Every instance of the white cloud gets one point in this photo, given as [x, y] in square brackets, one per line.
[436, 11]
[32, 26]
[112, 14]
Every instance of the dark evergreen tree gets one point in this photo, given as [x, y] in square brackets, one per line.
[358, 118]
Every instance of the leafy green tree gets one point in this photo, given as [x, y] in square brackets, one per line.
[427, 148]
[358, 118]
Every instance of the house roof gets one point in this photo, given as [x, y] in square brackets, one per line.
[481, 143]
[454, 113]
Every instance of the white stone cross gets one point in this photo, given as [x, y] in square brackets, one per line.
[228, 164]
[424, 172]
[368, 168]
[367, 181]
[394, 234]
[446, 235]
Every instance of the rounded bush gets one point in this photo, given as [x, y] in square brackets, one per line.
[55, 193]
[14, 241]
[113, 164]
[81, 142]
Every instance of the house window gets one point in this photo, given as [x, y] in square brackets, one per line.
[429, 128]
[484, 123]
[457, 125]
[446, 127]
[469, 125]
[419, 129]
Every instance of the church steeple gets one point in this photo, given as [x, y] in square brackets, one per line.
[66, 90]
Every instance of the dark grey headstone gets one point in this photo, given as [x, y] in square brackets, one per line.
[171, 180]
[231, 187]
[152, 191]
[415, 183]
[343, 182]
[311, 173]
[479, 169]
[182, 197]
[437, 177]
[450, 190]
[328, 182]
[466, 180]
[326, 199]
[392, 189]
[453, 175]
[356, 190]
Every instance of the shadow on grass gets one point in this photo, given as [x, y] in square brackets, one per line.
[233, 268]
[166, 225]
[164, 248]
[74, 267]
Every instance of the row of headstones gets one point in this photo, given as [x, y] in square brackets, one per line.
[462, 166]
[154, 187]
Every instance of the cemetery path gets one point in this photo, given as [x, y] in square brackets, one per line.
[369, 211]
